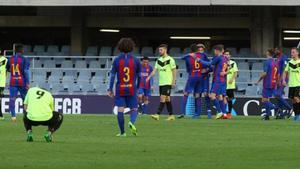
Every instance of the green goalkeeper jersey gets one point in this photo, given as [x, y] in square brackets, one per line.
[293, 69]
[39, 103]
[165, 66]
[3, 62]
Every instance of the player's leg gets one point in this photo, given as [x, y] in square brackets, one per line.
[131, 102]
[169, 103]
[23, 92]
[215, 100]
[187, 91]
[1, 96]
[146, 102]
[205, 91]
[296, 105]
[229, 98]
[162, 91]
[13, 93]
[198, 105]
[28, 127]
[140, 100]
[282, 104]
[267, 93]
[222, 106]
[120, 103]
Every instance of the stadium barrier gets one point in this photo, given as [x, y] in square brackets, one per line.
[96, 104]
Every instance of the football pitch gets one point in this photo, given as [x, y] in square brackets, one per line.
[89, 142]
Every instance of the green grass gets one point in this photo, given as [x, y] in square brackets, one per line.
[88, 141]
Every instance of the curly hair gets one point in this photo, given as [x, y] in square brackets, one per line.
[126, 45]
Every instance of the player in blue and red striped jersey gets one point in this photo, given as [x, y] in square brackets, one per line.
[127, 69]
[270, 80]
[218, 88]
[145, 87]
[193, 84]
[205, 81]
[282, 104]
[18, 66]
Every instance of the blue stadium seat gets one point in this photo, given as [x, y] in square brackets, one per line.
[80, 64]
[175, 51]
[88, 88]
[95, 64]
[75, 89]
[186, 50]
[257, 66]
[91, 51]
[36, 64]
[243, 65]
[233, 50]
[66, 50]
[252, 91]
[245, 51]
[53, 50]
[49, 63]
[57, 73]
[39, 48]
[105, 51]
[67, 64]
[147, 51]
[70, 73]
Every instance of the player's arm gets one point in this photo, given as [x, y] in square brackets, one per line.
[51, 103]
[26, 102]
[26, 72]
[152, 74]
[174, 72]
[138, 72]
[284, 75]
[263, 74]
[8, 65]
[113, 71]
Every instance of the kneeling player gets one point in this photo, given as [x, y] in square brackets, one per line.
[145, 86]
[270, 79]
[127, 69]
[40, 111]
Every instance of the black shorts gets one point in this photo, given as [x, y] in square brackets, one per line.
[230, 93]
[165, 90]
[1, 91]
[294, 92]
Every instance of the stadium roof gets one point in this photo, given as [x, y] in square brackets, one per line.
[146, 2]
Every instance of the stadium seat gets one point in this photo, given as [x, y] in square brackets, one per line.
[56, 87]
[44, 85]
[83, 78]
[252, 91]
[66, 50]
[243, 65]
[175, 51]
[70, 73]
[136, 51]
[86, 73]
[257, 66]
[242, 83]
[255, 75]
[95, 64]
[245, 51]
[244, 75]
[101, 88]
[116, 51]
[36, 64]
[27, 49]
[49, 63]
[233, 50]
[97, 80]
[54, 79]
[41, 72]
[147, 51]
[39, 49]
[91, 51]
[105, 51]
[56, 72]
[88, 88]
[52, 50]
[38, 78]
[75, 89]
[67, 64]
[80, 64]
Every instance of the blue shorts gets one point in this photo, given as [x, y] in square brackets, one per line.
[13, 91]
[280, 91]
[193, 85]
[126, 101]
[205, 85]
[145, 92]
[218, 89]
[268, 92]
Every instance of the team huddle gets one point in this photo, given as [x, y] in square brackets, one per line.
[135, 80]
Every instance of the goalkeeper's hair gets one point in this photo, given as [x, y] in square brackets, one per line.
[126, 45]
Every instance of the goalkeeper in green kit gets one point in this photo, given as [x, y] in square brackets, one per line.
[39, 110]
